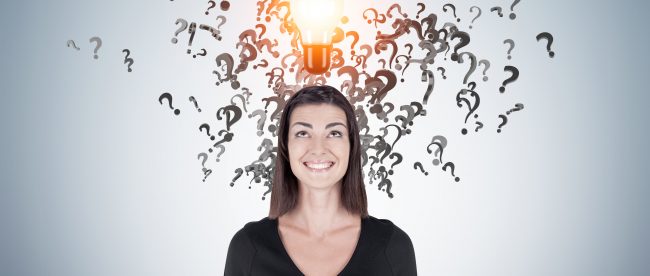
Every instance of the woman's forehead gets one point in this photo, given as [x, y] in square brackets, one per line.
[323, 113]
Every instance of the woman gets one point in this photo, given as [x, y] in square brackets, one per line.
[318, 223]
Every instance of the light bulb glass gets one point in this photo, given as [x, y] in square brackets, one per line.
[316, 20]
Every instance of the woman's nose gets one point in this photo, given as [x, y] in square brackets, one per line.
[318, 145]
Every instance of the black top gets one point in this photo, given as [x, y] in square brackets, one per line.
[382, 249]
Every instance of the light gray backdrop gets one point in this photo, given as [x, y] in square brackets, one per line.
[98, 178]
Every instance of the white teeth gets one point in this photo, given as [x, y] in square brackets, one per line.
[320, 165]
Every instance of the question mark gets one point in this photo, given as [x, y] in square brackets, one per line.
[512, 46]
[418, 164]
[498, 10]
[127, 58]
[192, 99]
[207, 128]
[206, 172]
[213, 4]
[464, 40]
[479, 14]
[421, 5]
[472, 67]
[169, 99]
[222, 149]
[204, 53]
[451, 165]
[182, 28]
[355, 35]
[427, 75]
[518, 107]
[399, 160]
[229, 61]
[442, 72]
[515, 75]
[205, 158]
[505, 120]
[263, 64]
[239, 172]
[513, 15]
[260, 122]
[453, 8]
[549, 39]
[485, 63]
[99, 44]
[220, 24]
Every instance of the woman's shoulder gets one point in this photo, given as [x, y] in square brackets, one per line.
[255, 228]
[387, 227]
[399, 249]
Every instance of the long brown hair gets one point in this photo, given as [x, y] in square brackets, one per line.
[284, 191]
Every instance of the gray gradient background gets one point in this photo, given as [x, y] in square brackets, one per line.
[98, 178]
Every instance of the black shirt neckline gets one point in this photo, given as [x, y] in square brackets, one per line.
[361, 239]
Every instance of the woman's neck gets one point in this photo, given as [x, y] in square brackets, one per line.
[320, 212]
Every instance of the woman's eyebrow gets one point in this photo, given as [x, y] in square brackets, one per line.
[310, 126]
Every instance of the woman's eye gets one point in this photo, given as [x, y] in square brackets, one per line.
[338, 133]
[299, 133]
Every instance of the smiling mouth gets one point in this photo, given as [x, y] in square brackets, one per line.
[319, 167]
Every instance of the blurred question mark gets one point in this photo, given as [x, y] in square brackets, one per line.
[498, 10]
[192, 99]
[182, 28]
[442, 72]
[204, 53]
[99, 44]
[479, 14]
[418, 164]
[464, 40]
[512, 14]
[518, 107]
[505, 121]
[453, 8]
[206, 172]
[549, 39]
[223, 21]
[399, 160]
[427, 75]
[512, 46]
[355, 37]
[207, 130]
[127, 58]
[260, 122]
[421, 5]
[451, 165]
[169, 99]
[212, 5]
[514, 77]
[485, 63]
[239, 172]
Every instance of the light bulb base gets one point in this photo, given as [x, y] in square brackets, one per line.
[317, 58]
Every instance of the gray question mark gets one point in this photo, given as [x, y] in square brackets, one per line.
[99, 44]
[127, 59]
[512, 46]
[513, 15]
[479, 14]
[182, 28]
[485, 63]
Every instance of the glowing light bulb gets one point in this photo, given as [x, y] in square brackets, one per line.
[316, 20]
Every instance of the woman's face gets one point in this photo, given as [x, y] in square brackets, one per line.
[318, 144]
